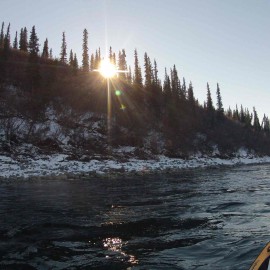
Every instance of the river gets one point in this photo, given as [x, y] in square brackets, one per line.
[199, 219]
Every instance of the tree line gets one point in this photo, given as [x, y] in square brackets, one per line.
[168, 105]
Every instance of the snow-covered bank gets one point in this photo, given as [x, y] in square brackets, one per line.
[59, 165]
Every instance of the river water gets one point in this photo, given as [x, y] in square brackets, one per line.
[200, 219]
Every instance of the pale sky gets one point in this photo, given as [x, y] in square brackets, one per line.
[224, 41]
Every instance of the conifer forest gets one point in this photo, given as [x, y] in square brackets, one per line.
[40, 91]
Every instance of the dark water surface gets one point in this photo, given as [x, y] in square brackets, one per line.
[201, 219]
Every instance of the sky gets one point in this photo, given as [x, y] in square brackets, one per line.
[214, 41]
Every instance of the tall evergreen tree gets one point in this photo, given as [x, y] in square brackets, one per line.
[7, 39]
[155, 74]
[15, 43]
[256, 121]
[111, 54]
[75, 62]
[45, 51]
[266, 124]
[33, 44]
[2, 36]
[23, 43]
[167, 90]
[33, 67]
[184, 89]
[71, 58]
[63, 54]
[242, 115]
[209, 103]
[220, 108]
[129, 76]
[235, 115]
[147, 72]
[85, 55]
[96, 62]
[190, 94]
[122, 64]
[137, 71]
[51, 54]
[92, 62]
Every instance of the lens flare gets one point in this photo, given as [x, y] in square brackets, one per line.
[107, 69]
[118, 92]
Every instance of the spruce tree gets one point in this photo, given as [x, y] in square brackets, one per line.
[184, 89]
[111, 54]
[137, 71]
[220, 108]
[85, 55]
[71, 58]
[155, 74]
[96, 60]
[256, 121]
[266, 124]
[92, 62]
[209, 103]
[15, 43]
[242, 117]
[147, 72]
[235, 115]
[176, 85]
[33, 67]
[190, 94]
[7, 39]
[45, 51]
[122, 64]
[63, 54]
[51, 54]
[33, 44]
[167, 91]
[129, 76]
[75, 63]
[23, 43]
[2, 36]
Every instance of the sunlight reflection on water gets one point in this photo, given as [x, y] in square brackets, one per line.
[115, 244]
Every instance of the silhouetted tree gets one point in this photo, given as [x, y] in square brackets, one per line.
[235, 114]
[137, 71]
[176, 85]
[190, 94]
[23, 43]
[33, 44]
[33, 66]
[2, 36]
[209, 102]
[7, 39]
[63, 54]
[15, 42]
[265, 124]
[45, 51]
[71, 58]
[220, 108]
[85, 55]
[51, 54]
[184, 89]
[256, 121]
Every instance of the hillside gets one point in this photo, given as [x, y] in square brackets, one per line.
[51, 106]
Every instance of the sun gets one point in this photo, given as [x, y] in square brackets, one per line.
[107, 69]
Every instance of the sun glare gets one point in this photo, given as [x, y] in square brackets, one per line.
[107, 69]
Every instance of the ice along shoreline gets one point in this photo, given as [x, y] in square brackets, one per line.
[58, 166]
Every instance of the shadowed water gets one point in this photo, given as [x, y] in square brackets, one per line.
[205, 219]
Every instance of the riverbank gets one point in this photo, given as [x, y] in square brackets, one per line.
[60, 166]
